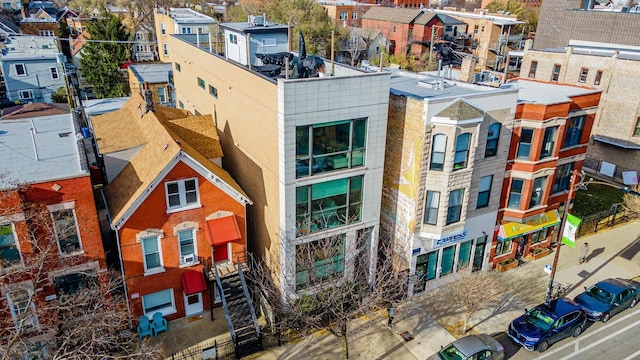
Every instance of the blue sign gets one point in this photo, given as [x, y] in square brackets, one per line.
[451, 238]
[416, 251]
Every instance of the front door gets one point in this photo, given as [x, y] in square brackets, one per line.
[221, 253]
[478, 254]
[193, 304]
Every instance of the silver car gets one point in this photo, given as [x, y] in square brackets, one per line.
[472, 347]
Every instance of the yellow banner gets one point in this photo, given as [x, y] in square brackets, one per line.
[513, 229]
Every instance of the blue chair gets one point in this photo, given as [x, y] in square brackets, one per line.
[159, 323]
[144, 327]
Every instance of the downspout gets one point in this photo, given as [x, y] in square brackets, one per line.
[124, 282]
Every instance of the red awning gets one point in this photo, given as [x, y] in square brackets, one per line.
[222, 230]
[193, 282]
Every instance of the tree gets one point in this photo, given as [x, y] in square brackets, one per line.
[88, 322]
[471, 293]
[513, 7]
[334, 283]
[103, 55]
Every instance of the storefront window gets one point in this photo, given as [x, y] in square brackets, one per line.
[448, 254]
[464, 254]
[503, 247]
[425, 269]
[539, 236]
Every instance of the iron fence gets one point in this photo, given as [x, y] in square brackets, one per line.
[219, 349]
[617, 214]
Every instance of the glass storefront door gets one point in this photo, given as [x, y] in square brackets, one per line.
[448, 255]
[425, 269]
[478, 254]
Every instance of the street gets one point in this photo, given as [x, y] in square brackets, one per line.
[616, 339]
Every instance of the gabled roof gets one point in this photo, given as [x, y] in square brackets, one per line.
[461, 110]
[164, 136]
[425, 17]
[393, 15]
[449, 20]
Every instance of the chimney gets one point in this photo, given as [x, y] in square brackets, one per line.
[467, 69]
[528, 44]
[148, 100]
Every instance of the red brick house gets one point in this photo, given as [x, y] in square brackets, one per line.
[549, 140]
[50, 241]
[409, 31]
[178, 216]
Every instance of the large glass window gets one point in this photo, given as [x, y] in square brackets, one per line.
[484, 191]
[187, 246]
[455, 206]
[515, 194]
[563, 178]
[446, 262]
[22, 307]
[493, 134]
[319, 261]
[330, 146]
[537, 192]
[462, 151]
[524, 146]
[71, 284]
[549, 142]
[161, 301]
[431, 208]
[183, 193]
[152, 258]
[328, 204]
[503, 247]
[464, 254]
[9, 252]
[66, 229]
[438, 148]
[575, 125]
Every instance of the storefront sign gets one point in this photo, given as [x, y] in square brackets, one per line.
[416, 251]
[513, 229]
[450, 239]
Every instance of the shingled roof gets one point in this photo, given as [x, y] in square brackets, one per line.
[393, 15]
[461, 110]
[161, 135]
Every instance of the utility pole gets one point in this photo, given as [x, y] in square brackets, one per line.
[434, 33]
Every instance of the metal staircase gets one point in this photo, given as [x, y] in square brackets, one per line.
[239, 312]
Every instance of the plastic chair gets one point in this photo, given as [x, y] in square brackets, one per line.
[145, 329]
[159, 323]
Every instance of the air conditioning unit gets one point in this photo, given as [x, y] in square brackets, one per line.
[188, 259]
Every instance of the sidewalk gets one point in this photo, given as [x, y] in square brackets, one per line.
[614, 253]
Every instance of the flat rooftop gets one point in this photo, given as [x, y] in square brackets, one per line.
[40, 149]
[152, 73]
[185, 15]
[547, 93]
[96, 107]
[498, 20]
[31, 47]
[625, 52]
[423, 86]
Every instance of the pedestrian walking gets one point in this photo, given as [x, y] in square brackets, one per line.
[584, 251]
[391, 311]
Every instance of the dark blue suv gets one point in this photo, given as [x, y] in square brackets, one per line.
[546, 324]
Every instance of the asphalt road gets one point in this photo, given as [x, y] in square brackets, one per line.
[615, 340]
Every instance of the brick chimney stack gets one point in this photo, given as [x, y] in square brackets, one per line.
[467, 69]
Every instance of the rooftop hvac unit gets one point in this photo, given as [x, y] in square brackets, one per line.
[256, 20]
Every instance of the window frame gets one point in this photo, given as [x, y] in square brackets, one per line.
[584, 73]
[636, 130]
[455, 207]
[20, 73]
[21, 94]
[491, 147]
[182, 193]
[168, 308]
[539, 198]
[165, 49]
[201, 83]
[511, 199]
[441, 152]
[429, 209]
[55, 74]
[29, 311]
[555, 72]
[156, 269]
[533, 68]
[213, 91]
[178, 67]
[458, 164]
[64, 208]
[328, 266]
[562, 178]
[573, 138]
[194, 244]
[504, 247]
[163, 29]
[16, 246]
[549, 142]
[598, 78]
[482, 190]
[520, 155]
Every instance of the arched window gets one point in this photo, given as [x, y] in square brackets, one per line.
[462, 151]
[493, 134]
[438, 148]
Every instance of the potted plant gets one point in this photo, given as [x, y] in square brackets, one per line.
[540, 251]
[507, 264]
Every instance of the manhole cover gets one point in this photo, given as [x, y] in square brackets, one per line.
[406, 336]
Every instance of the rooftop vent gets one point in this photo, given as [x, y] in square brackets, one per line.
[257, 20]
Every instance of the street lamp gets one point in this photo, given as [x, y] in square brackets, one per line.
[572, 187]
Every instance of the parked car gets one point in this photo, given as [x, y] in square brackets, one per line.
[609, 297]
[546, 324]
[472, 347]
